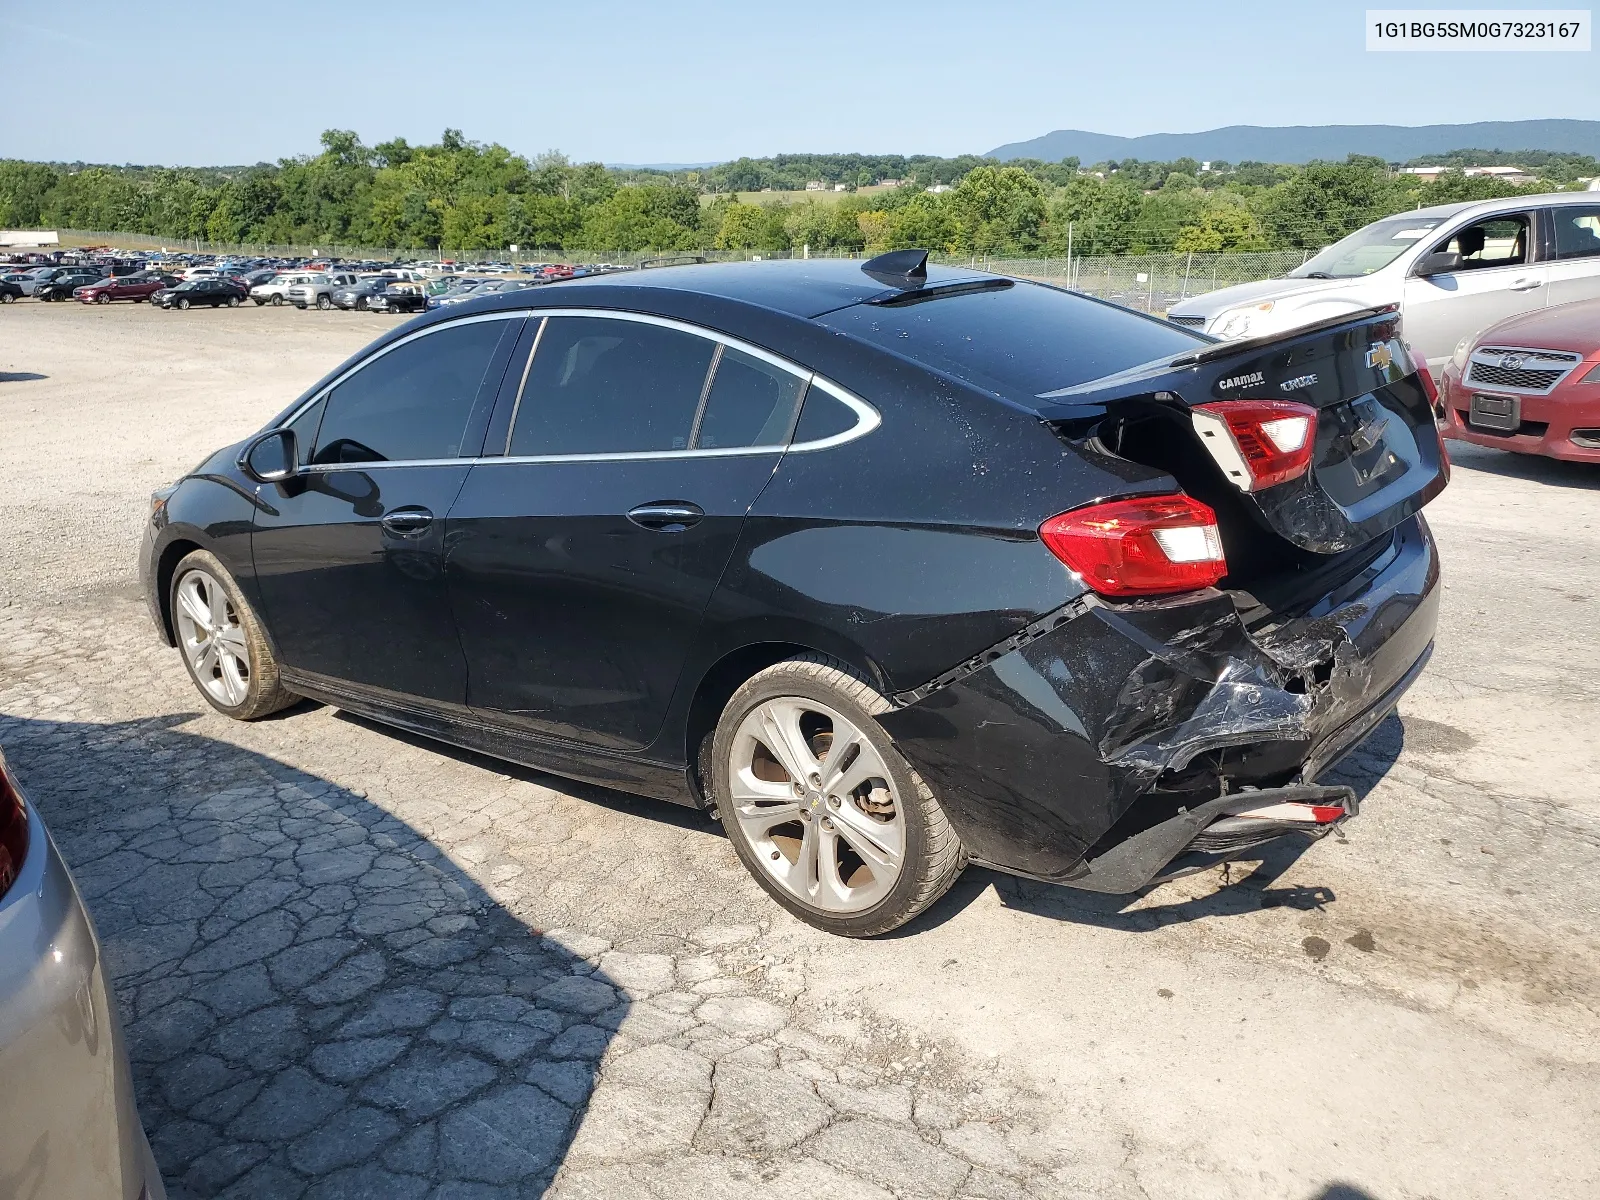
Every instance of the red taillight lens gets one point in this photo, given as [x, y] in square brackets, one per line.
[1258, 443]
[13, 829]
[1142, 547]
[1429, 388]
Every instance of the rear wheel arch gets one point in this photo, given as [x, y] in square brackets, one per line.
[728, 674]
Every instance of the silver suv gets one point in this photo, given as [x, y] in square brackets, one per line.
[1454, 270]
[319, 289]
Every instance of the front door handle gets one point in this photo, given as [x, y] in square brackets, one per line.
[1526, 285]
[408, 522]
[667, 516]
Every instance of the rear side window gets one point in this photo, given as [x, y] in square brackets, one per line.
[751, 403]
[603, 386]
[1023, 340]
[413, 402]
[1577, 232]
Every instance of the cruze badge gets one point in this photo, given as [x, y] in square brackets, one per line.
[1298, 382]
[1239, 381]
[1379, 356]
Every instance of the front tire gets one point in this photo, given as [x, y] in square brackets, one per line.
[183, 303]
[102, 298]
[324, 302]
[222, 642]
[820, 806]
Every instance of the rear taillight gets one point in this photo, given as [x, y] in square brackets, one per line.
[1142, 547]
[13, 829]
[1258, 443]
[1429, 388]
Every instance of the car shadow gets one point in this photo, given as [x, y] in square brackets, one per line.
[1246, 886]
[317, 1002]
[1533, 467]
[663, 812]
[20, 376]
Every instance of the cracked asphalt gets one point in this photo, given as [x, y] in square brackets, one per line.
[356, 964]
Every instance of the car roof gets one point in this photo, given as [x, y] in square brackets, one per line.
[800, 287]
[1501, 204]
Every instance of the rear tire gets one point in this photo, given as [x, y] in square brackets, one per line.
[229, 637]
[911, 855]
[277, 302]
[233, 302]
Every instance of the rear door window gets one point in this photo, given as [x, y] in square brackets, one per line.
[1022, 340]
[413, 402]
[1577, 231]
[599, 385]
[751, 403]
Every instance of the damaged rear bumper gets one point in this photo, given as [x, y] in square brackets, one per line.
[1100, 746]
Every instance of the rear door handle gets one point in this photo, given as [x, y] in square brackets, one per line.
[408, 522]
[1526, 285]
[667, 516]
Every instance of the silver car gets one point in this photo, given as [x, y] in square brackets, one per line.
[68, 1125]
[1454, 270]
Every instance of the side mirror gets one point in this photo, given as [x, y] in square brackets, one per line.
[1439, 262]
[272, 457]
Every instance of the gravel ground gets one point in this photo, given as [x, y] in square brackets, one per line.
[354, 964]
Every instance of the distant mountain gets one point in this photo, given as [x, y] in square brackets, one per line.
[1302, 143]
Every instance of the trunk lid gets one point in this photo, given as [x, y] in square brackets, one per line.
[1376, 459]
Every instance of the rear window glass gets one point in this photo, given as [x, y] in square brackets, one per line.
[1025, 339]
[751, 403]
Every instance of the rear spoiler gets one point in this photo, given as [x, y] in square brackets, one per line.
[1272, 365]
[1245, 345]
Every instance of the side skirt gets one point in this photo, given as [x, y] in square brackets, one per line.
[642, 777]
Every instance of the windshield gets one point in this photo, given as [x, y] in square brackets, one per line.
[1367, 250]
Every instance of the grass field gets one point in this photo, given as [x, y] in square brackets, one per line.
[791, 197]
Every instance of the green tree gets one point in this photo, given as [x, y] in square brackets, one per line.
[999, 209]
[1326, 201]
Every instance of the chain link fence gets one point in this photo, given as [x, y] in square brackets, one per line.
[1148, 282]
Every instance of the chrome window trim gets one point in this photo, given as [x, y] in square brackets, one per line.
[867, 417]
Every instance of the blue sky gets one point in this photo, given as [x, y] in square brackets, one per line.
[619, 81]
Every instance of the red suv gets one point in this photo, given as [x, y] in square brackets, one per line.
[125, 288]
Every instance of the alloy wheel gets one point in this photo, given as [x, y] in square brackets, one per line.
[212, 638]
[816, 803]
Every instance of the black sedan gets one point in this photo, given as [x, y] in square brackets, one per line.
[10, 292]
[196, 292]
[896, 567]
[62, 286]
